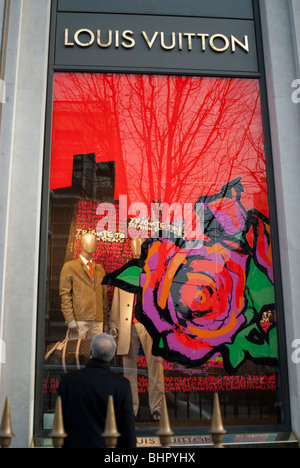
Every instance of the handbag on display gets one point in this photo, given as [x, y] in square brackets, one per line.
[69, 352]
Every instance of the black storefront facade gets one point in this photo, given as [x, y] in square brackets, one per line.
[157, 126]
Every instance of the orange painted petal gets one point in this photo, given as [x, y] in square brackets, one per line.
[178, 260]
[154, 248]
[215, 333]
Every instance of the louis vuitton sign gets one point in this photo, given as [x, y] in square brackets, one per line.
[127, 39]
[144, 42]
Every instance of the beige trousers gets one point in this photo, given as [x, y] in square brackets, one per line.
[139, 335]
[88, 329]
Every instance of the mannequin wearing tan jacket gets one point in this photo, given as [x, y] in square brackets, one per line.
[84, 302]
[129, 334]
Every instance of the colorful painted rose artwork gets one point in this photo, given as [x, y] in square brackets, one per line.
[215, 297]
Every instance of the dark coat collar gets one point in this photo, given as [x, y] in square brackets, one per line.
[97, 363]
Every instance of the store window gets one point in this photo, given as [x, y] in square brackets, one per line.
[178, 164]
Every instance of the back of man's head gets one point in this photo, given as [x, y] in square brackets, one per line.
[103, 347]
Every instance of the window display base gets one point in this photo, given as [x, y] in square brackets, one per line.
[247, 440]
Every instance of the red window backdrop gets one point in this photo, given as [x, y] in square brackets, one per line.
[171, 138]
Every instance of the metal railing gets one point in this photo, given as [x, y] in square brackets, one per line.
[111, 433]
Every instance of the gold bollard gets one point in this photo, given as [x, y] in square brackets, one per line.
[6, 433]
[110, 433]
[164, 432]
[58, 431]
[217, 430]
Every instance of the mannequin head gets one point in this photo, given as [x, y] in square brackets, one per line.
[88, 245]
[136, 245]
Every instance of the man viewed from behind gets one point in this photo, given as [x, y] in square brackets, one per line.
[85, 395]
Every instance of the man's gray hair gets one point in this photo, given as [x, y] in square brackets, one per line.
[103, 347]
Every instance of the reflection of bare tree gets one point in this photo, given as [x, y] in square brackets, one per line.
[173, 138]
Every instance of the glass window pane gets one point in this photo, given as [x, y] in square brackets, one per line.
[179, 162]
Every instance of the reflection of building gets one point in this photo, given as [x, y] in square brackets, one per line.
[94, 180]
[24, 141]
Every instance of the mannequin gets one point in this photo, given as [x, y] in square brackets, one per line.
[84, 302]
[88, 246]
[136, 246]
[130, 334]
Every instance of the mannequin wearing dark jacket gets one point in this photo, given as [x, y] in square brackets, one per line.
[85, 395]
